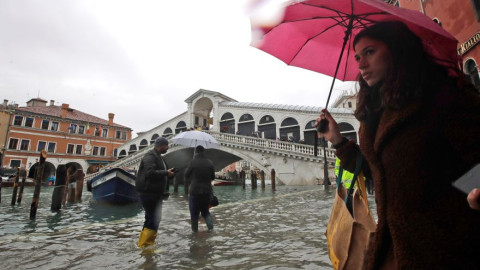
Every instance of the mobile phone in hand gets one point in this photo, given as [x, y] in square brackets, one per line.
[469, 180]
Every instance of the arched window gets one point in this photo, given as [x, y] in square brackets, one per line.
[472, 70]
[167, 132]
[181, 126]
[132, 149]
[143, 144]
[246, 125]
[290, 130]
[122, 154]
[154, 137]
[227, 116]
[267, 128]
[227, 123]
[347, 130]
[246, 117]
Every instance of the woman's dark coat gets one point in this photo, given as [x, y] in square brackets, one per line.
[200, 173]
[415, 155]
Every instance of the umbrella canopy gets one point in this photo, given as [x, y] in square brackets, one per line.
[195, 138]
[314, 33]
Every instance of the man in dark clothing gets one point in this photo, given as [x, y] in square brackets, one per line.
[151, 186]
[200, 173]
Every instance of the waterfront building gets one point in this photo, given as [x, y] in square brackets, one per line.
[68, 135]
[461, 18]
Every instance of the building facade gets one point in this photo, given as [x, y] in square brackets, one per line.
[69, 136]
[461, 18]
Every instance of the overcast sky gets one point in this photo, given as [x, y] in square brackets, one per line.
[141, 59]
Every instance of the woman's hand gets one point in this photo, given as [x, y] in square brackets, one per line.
[332, 134]
[473, 199]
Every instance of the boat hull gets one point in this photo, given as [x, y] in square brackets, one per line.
[114, 186]
[220, 182]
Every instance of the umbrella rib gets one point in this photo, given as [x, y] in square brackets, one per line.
[309, 39]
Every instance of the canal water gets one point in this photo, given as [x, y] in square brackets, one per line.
[254, 229]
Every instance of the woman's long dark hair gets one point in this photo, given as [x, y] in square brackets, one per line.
[413, 74]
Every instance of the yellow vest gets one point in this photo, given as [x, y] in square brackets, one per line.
[347, 176]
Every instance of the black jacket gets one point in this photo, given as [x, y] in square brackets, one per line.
[199, 174]
[152, 175]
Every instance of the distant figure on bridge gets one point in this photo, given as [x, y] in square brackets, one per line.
[200, 174]
[151, 186]
[419, 122]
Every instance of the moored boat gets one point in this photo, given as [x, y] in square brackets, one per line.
[29, 182]
[115, 186]
[221, 182]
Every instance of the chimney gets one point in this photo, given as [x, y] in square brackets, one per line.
[110, 119]
[64, 110]
[52, 102]
[5, 102]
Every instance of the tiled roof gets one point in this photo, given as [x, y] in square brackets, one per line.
[72, 114]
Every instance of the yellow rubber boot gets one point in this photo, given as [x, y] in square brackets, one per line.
[147, 237]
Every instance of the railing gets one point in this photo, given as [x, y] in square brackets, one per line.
[303, 149]
[227, 138]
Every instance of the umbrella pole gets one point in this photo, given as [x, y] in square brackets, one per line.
[323, 125]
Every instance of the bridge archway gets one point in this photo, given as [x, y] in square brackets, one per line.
[167, 132]
[122, 154]
[246, 125]
[181, 126]
[288, 128]
[268, 127]
[310, 133]
[132, 149]
[143, 144]
[202, 112]
[227, 123]
[154, 137]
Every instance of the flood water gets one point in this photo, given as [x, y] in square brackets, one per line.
[257, 229]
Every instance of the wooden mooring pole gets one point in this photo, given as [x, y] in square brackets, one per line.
[72, 186]
[59, 189]
[262, 179]
[273, 179]
[79, 180]
[15, 186]
[22, 185]
[242, 177]
[38, 184]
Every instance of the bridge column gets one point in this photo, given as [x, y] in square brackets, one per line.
[273, 178]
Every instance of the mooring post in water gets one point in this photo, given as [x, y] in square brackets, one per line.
[262, 178]
[23, 174]
[38, 184]
[72, 185]
[59, 189]
[79, 179]
[252, 179]
[242, 177]
[67, 182]
[175, 183]
[273, 179]
[15, 186]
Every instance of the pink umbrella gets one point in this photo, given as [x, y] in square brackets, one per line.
[313, 34]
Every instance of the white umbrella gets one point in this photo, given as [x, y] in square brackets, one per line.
[195, 138]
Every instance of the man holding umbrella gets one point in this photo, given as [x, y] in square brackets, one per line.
[151, 186]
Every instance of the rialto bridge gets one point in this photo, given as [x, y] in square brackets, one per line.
[267, 136]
